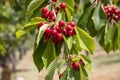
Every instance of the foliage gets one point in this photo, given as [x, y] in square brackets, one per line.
[90, 15]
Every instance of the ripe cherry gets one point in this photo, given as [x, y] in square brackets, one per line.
[44, 10]
[69, 28]
[72, 24]
[48, 31]
[75, 65]
[40, 24]
[54, 32]
[45, 15]
[64, 32]
[63, 5]
[61, 23]
[52, 18]
[73, 32]
[57, 28]
[116, 17]
[51, 13]
[59, 37]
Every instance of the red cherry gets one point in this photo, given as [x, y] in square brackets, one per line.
[63, 5]
[59, 37]
[54, 32]
[54, 0]
[116, 17]
[69, 28]
[70, 33]
[61, 23]
[73, 32]
[110, 12]
[60, 75]
[72, 24]
[117, 12]
[64, 32]
[45, 15]
[57, 28]
[105, 8]
[44, 10]
[48, 31]
[75, 65]
[51, 13]
[52, 18]
[47, 37]
[81, 62]
[40, 24]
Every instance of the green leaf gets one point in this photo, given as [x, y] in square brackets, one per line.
[99, 17]
[83, 73]
[37, 55]
[87, 61]
[49, 54]
[2, 47]
[109, 36]
[76, 48]
[60, 65]
[86, 41]
[68, 14]
[51, 69]
[74, 74]
[34, 21]
[65, 75]
[20, 33]
[58, 17]
[68, 41]
[41, 32]
[34, 4]
[83, 20]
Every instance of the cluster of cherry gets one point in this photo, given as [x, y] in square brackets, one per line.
[74, 64]
[112, 13]
[56, 30]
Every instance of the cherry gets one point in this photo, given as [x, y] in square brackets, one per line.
[47, 37]
[73, 32]
[54, 0]
[44, 10]
[61, 23]
[72, 24]
[45, 15]
[75, 65]
[48, 31]
[116, 17]
[59, 37]
[69, 28]
[51, 13]
[40, 24]
[60, 75]
[70, 33]
[63, 5]
[52, 18]
[81, 62]
[54, 32]
[64, 32]
[57, 28]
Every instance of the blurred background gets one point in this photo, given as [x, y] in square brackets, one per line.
[17, 62]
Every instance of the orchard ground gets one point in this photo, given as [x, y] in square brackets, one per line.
[105, 67]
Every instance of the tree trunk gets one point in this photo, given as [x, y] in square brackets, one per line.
[6, 75]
